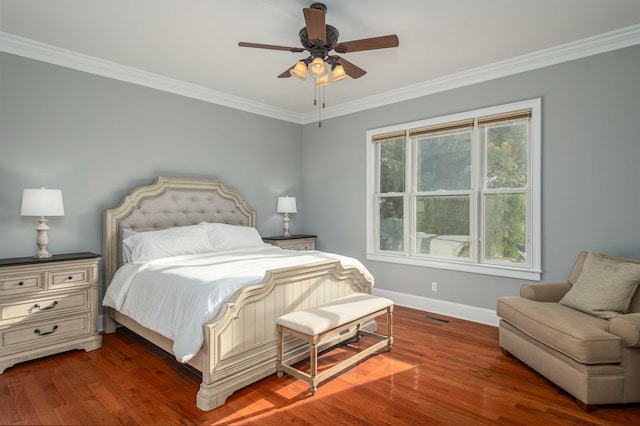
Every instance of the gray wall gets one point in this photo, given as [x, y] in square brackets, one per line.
[95, 138]
[590, 171]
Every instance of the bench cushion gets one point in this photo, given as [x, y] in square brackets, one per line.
[578, 335]
[317, 320]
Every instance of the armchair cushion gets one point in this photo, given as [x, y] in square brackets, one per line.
[582, 337]
[604, 287]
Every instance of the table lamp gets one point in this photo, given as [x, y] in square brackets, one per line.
[286, 205]
[42, 202]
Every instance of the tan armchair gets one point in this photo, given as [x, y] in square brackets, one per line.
[583, 335]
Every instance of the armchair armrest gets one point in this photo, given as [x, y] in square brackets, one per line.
[627, 327]
[544, 292]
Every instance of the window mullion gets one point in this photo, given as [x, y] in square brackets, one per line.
[377, 195]
[477, 180]
[505, 190]
[442, 192]
[410, 189]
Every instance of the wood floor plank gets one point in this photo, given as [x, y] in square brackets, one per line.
[8, 405]
[75, 393]
[436, 374]
[41, 392]
[24, 407]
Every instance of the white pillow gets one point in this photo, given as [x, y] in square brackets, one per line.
[125, 251]
[229, 237]
[176, 241]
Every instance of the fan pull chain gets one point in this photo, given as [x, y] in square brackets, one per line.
[318, 100]
[322, 97]
[315, 95]
[319, 108]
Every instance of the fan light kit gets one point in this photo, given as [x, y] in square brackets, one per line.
[319, 39]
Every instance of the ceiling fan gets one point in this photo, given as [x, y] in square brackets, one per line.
[319, 39]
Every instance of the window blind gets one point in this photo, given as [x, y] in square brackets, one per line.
[441, 128]
[503, 118]
[388, 136]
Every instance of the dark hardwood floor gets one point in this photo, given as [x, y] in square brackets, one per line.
[437, 373]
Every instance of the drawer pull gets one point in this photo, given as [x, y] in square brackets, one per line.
[51, 306]
[70, 277]
[21, 283]
[40, 333]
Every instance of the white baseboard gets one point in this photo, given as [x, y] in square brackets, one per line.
[451, 309]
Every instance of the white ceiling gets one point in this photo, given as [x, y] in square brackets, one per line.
[196, 41]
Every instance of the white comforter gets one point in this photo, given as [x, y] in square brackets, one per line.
[176, 296]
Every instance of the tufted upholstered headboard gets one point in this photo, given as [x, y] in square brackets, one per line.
[166, 203]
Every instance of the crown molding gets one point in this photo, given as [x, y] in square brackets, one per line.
[614, 40]
[601, 43]
[32, 49]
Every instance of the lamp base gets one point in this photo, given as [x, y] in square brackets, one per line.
[286, 233]
[39, 255]
[42, 240]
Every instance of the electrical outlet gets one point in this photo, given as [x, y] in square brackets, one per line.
[434, 286]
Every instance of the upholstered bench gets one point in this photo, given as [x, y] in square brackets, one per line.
[321, 322]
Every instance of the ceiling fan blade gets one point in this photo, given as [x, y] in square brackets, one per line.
[316, 29]
[352, 71]
[271, 47]
[381, 42]
[287, 73]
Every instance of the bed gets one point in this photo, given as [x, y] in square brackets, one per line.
[239, 342]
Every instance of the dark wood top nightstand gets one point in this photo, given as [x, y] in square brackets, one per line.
[48, 306]
[294, 242]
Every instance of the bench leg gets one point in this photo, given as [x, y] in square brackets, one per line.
[389, 328]
[313, 360]
[280, 339]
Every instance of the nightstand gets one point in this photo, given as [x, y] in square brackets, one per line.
[294, 242]
[48, 306]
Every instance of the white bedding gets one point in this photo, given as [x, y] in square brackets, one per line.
[176, 296]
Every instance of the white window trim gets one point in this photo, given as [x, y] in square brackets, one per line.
[535, 165]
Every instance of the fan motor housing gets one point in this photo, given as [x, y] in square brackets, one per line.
[330, 40]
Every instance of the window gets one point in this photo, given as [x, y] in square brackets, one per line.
[458, 192]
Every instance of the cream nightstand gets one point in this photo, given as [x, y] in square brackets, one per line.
[294, 242]
[48, 306]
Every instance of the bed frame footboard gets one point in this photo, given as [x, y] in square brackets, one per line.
[241, 340]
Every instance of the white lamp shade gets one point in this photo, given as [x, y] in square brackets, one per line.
[287, 205]
[42, 202]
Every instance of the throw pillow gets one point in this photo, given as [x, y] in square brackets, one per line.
[604, 288]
